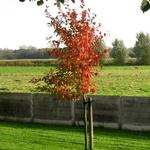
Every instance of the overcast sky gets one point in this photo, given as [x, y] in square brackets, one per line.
[26, 24]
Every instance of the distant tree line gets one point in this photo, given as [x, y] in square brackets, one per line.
[123, 55]
[24, 52]
[119, 53]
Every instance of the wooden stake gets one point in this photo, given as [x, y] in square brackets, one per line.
[90, 123]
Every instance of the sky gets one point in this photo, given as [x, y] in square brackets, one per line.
[26, 24]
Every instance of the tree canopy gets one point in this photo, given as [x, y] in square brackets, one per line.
[142, 48]
[119, 51]
[77, 31]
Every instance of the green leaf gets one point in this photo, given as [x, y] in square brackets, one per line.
[40, 2]
[62, 1]
[21, 0]
[145, 5]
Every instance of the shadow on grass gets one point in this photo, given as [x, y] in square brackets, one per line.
[21, 125]
[68, 137]
[74, 129]
[114, 133]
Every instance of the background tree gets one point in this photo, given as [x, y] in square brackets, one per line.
[119, 52]
[131, 52]
[142, 48]
[6, 54]
[24, 52]
[102, 46]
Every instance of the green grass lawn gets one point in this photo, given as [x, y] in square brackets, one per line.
[114, 80]
[17, 136]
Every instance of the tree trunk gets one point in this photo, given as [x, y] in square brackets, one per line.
[85, 123]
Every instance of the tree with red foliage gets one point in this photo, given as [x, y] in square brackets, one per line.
[72, 77]
[78, 32]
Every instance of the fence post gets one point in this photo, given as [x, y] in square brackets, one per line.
[73, 112]
[120, 114]
[31, 107]
[90, 123]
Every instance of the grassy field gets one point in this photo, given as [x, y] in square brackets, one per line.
[114, 80]
[28, 62]
[17, 136]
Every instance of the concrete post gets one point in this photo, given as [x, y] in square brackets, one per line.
[31, 107]
[73, 112]
[120, 114]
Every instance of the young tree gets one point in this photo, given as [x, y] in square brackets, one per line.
[142, 48]
[71, 79]
[119, 51]
[78, 32]
[102, 46]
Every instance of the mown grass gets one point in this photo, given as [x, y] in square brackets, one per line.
[114, 80]
[17, 79]
[17, 136]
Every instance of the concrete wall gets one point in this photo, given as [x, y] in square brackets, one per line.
[131, 113]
